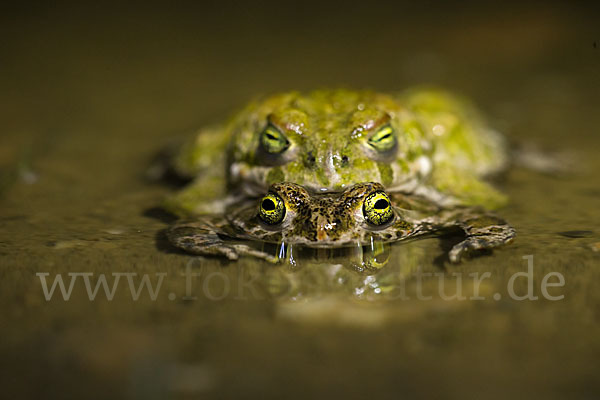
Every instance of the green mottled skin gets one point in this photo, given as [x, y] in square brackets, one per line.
[335, 219]
[443, 151]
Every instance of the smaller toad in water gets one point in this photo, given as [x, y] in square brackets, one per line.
[360, 215]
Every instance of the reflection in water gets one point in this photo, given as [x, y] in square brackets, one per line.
[378, 270]
[361, 258]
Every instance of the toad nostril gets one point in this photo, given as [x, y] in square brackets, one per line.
[310, 158]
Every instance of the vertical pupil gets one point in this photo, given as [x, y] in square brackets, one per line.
[268, 205]
[381, 204]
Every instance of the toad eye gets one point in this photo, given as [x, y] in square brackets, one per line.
[384, 139]
[273, 141]
[377, 208]
[272, 209]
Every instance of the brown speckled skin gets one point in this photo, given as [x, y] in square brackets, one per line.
[336, 219]
[324, 220]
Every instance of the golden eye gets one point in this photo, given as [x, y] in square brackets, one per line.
[273, 141]
[272, 209]
[384, 139]
[377, 256]
[377, 208]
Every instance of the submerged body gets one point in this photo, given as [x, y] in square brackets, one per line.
[360, 215]
[422, 142]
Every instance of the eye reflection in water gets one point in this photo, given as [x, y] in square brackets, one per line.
[367, 259]
[374, 271]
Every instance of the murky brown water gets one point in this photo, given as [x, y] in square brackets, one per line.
[90, 94]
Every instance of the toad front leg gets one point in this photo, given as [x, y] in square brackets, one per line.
[209, 237]
[202, 160]
[483, 231]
